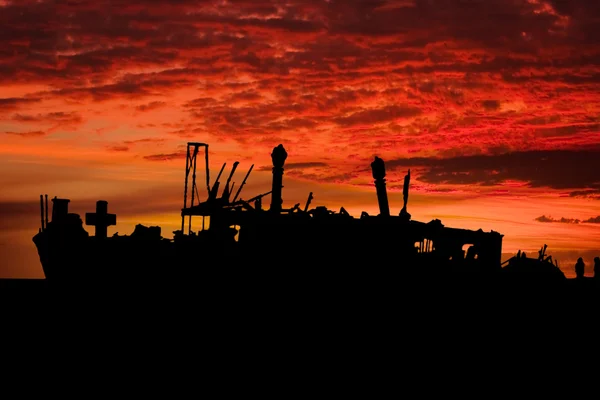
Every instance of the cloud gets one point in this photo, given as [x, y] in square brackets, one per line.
[56, 118]
[13, 103]
[556, 169]
[27, 134]
[593, 220]
[304, 165]
[299, 165]
[543, 218]
[376, 115]
[490, 105]
[314, 171]
[144, 140]
[165, 157]
[127, 145]
[117, 148]
[150, 106]
[563, 220]
[107, 92]
[587, 193]
[463, 93]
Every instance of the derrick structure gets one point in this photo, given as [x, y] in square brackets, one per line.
[190, 166]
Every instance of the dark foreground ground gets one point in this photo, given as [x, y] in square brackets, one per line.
[286, 293]
[276, 334]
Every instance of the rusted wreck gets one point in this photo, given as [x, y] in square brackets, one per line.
[226, 231]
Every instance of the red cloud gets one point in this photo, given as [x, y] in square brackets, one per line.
[165, 157]
[27, 134]
[425, 79]
[151, 106]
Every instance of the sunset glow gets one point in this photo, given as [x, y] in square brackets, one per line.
[494, 105]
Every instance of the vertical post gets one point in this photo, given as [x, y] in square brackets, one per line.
[207, 170]
[42, 210]
[187, 171]
[46, 210]
[193, 183]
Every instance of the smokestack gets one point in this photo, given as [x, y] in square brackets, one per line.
[60, 209]
[278, 157]
[378, 169]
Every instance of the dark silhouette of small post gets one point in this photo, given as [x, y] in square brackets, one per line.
[42, 209]
[278, 156]
[101, 219]
[579, 268]
[378, 169]
[597, 268]
[310, 197]
[46, 210]
[404, 213]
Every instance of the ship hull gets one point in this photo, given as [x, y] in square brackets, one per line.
[222, 274]
[336, 266]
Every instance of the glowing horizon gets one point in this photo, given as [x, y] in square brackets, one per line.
[494, 107]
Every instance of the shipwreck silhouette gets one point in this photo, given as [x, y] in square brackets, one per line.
[239, 237]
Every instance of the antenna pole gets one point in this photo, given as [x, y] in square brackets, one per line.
[46, 211]
[185, 187]
[42, 209]
[207, 170]
[194, 188]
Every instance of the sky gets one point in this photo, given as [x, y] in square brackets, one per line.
[494, 105]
